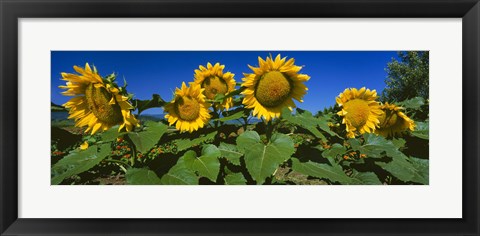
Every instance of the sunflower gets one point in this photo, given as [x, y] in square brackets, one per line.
[188, 109]
[272, 86]
[393, 122]
[97, 103]
[360, 110]
[214, 81]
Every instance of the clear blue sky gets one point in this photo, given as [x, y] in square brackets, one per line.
[149, 72]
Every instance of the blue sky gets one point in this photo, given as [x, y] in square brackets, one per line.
[160, 72]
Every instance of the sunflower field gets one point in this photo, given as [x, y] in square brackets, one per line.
[219, 131]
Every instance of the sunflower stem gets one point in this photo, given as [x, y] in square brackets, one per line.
[217, 112]
[245, 123]
[119, 162]
[269, 130]
[134, 151]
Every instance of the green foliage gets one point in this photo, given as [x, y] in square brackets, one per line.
[111, 134]
[414, 104]
[364, 178]
[333, 173]
[143, 105]
[183, 144]
[407, 78]
[404, 168]
[235, 179]
[263, 159]
[206, 165]
[422, 170]
[137, 176]
[421, 130]
[374, 145]
[334, 151]
[148, 137]
[259, 156]
[416, 108]
[230, 152]
[306, 120]
[399, 165]
[78, 162]
[233, 116]
[180, 174]
[399, 142]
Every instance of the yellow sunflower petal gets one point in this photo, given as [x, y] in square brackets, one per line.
[84, 145]
[273, 86]
[96, 105]
[360, 111]
[188, 108]
[213, 81]
[393, 122]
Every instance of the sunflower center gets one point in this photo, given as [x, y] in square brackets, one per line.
[273, 89]
[388, 119]
[357, 112]
[187, 108]
[213, 86]
[98, 102]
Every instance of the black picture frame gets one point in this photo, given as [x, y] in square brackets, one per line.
[11, 11]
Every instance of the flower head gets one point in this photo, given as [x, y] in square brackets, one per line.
[214, 81]
[360, 110]
[96, 103]
[272, 86]
[393, 122]
[188, 109]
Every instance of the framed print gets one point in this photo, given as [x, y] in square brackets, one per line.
[225, 117]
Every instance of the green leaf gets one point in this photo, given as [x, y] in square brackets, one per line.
[143, 105]
[147, 138]
[374, 145]
[323, 171]
[262, 160]
[365, 178]
[230, 94]
[207, 165]
[235, 179]
[79, 162]
[422, 170]
[406, 169]
[230, 152]
[137, 176]
[183, 144]
[334, 151]
[219, 97]
[180, 174]
[306, 120]
[415, 103]
[400, 168]
[111, 134]
[234, 116]
[421, 130]
[399, 142]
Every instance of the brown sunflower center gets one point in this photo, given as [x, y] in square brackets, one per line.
[388, 119]
[98, 102]
[187, 108]
[273, 89]
[357, 112]
[213, 86]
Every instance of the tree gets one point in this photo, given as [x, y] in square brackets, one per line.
[407, 78]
